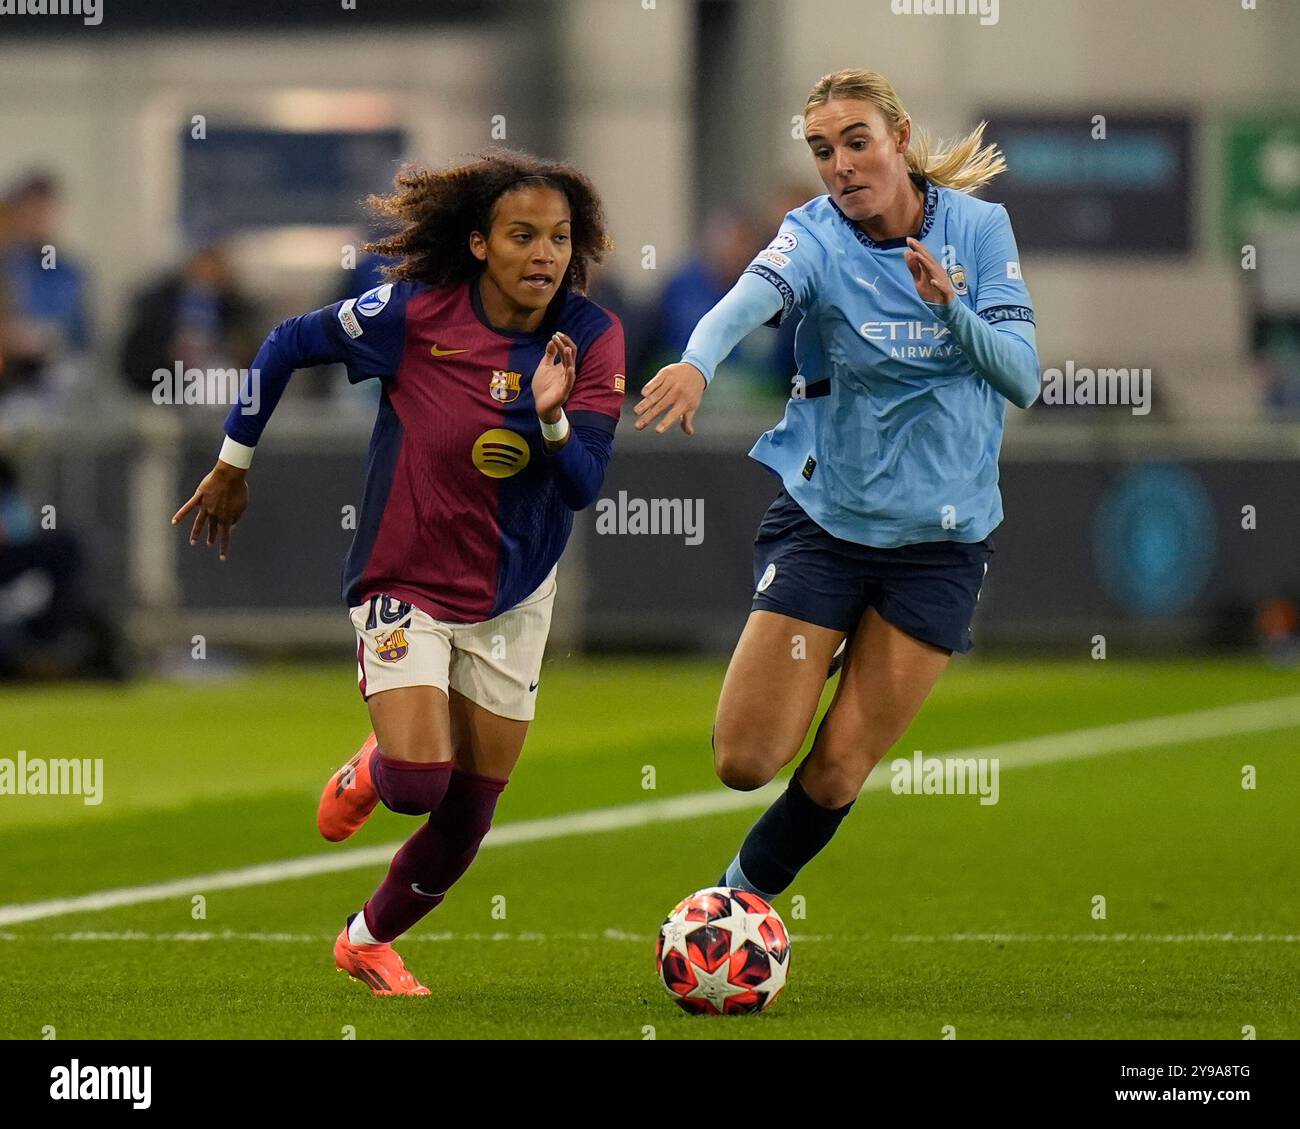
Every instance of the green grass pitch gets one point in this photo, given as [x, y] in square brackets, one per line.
[894, 937]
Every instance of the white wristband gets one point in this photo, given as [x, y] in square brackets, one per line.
[556, 432]
[236, 454]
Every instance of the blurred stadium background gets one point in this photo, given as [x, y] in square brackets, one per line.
[198, 169]
[176, 247]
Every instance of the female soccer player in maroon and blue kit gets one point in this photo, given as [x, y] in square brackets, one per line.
[500, 388]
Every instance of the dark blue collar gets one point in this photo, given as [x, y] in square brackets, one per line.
[927, 218]
[540, 334]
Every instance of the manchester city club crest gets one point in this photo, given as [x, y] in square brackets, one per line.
[958, 275]
[504, 386]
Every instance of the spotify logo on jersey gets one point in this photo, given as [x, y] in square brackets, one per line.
[499, 453]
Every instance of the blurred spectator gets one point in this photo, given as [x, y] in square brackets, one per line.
[47, 630]
[727, 244]
[363, 398]
[1275, 344]
[47, 329]
[4, 304]
[364, 276]
[196, 315]
[1277, 626]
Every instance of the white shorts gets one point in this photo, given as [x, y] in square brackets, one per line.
[495, 663]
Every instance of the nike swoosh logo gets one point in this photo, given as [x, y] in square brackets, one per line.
[424, 893]
[446, 352]
[533, 687]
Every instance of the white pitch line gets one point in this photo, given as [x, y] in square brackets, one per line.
[1148, 733]
[533, 937]
[1091, 938]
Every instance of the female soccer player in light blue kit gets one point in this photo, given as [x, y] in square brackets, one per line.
[917, 329]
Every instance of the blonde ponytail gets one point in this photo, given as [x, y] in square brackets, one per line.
[964, 165]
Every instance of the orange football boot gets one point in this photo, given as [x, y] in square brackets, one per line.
[378, 967]
[349, 796]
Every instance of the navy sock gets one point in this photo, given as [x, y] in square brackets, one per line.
[787, 836]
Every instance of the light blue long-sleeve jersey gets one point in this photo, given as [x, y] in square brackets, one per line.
[892, 433]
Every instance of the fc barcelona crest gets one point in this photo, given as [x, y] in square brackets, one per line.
[392, 647]
[504, 386]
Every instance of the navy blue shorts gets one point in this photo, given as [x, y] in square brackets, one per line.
[927, 590]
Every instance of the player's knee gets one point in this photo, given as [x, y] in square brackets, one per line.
[743, 778]
[739, 765]
[832, 784]
[857, 735]
[836, 770]
[416, 748]
[409, 788]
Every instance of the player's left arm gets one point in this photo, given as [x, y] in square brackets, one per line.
[581, 455]
[998, 336]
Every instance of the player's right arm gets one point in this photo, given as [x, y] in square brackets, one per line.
[370, 344]
[781, 277]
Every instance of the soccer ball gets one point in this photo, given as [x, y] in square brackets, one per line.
[723, 952]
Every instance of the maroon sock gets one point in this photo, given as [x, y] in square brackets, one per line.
[432, 859]
[409, 787]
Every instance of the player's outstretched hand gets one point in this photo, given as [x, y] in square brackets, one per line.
[553, 380]
[676, 389]
[221, 499]
[932, 281]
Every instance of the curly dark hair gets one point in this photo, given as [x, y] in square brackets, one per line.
[433, 211]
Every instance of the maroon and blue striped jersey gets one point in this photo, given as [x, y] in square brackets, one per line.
[465, 512]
